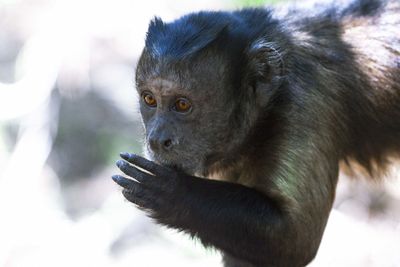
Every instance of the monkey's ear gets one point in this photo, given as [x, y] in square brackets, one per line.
[265, 65]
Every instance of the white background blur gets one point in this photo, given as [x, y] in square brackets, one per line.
[68, 106]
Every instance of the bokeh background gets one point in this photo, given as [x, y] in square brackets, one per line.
[68, 107]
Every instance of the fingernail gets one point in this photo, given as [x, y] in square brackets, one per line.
[115, 178]
[120, 180]
[120, 163]
[124, 155]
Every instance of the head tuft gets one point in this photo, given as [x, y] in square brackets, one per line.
[184, 36]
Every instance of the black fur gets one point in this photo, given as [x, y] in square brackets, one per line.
[278, 101]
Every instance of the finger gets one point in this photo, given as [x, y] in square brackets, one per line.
[144, 163]
[122, 181]
[133, 172]
[143, 197]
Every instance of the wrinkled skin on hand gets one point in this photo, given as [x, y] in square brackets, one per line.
[152, 187]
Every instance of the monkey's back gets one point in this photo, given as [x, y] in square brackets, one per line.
[375, 41]
[356, 46]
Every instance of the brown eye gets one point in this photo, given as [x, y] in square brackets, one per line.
[182, 105]
[149, 99]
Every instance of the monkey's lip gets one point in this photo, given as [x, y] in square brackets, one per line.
[175, 166]
[170, 165]
[173, 163]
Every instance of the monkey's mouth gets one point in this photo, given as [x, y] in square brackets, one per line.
[190, 170]
[173, 166]
[175, 162]
[169, 164]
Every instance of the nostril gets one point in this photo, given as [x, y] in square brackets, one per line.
[153, 144]
[167, 143]
[157, 143]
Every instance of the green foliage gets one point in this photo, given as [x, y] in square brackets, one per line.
[247, 3]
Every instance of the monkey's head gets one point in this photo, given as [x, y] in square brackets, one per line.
[202, 82]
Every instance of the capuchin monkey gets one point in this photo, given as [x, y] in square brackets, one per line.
[249, 113]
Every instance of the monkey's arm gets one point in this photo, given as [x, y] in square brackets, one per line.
[239, 220]
[229, 216]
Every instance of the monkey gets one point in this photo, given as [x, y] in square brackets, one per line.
[248, 115]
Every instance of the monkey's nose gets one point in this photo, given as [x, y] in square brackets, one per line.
[159, 144]
[167, 143]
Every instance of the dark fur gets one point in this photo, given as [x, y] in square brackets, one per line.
[278, 102]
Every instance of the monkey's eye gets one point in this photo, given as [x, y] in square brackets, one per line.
[149, 99]
[182, 105]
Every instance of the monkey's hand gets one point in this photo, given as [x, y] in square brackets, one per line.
[156, 189]
[234, 218]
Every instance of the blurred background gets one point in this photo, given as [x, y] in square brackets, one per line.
[67, 108]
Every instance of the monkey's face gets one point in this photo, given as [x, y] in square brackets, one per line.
[187, 111]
